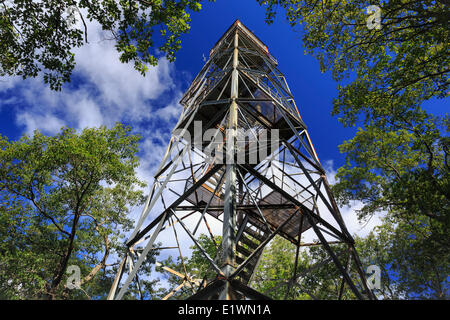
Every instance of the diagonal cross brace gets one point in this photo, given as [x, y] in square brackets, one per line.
[296, 202]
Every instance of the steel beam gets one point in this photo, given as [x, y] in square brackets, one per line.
[229, 216]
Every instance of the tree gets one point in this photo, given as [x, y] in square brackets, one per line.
[276, 267]
[316, 276]
[39, 36]
[64, 201]
[274, 275]
[413, 265]
[398, 159]
[195, 267]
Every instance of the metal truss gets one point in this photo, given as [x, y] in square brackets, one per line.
[243, 194]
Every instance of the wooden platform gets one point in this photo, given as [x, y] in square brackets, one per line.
[274, 216]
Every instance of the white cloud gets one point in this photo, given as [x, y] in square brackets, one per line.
[119, 86]
[46, 122]
[104, 91]
[349, 213]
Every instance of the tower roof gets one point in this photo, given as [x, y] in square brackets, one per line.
[237, 24]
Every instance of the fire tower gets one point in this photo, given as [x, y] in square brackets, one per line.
[240, 164]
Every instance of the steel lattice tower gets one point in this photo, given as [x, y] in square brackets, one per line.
[255, 191]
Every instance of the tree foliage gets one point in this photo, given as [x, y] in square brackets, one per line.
[64, 201]
[276, 267]
[40, 36]
[315, 277]
[414, 264]
[196, 266]
[398, 159]
[274, 275]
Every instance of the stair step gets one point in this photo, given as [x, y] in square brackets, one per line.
[216, 177]
[254, 234]
[250, 264]
[244, 276]
[261, 228]
[248, 242]
[243, 250]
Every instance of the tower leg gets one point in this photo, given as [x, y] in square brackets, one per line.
[229, 215]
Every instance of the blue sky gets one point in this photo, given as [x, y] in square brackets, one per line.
[104, 91]
[313, 91]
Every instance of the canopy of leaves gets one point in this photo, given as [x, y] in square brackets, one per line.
[64, 201]
[398, 159]
[39, 36]
[314, 276]
[414, 263]
[196, 266]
